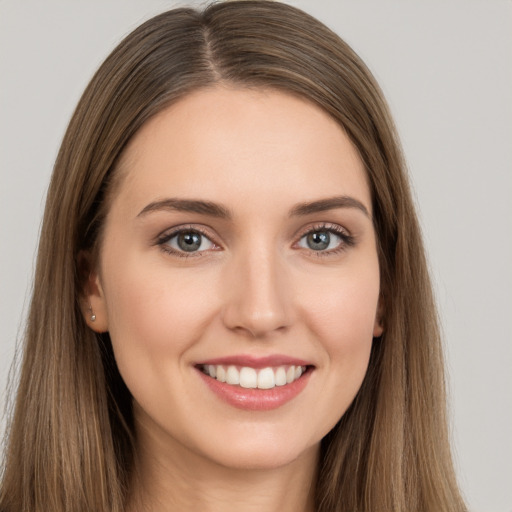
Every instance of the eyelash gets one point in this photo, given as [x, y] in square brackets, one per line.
[163, 239]
[347, 240]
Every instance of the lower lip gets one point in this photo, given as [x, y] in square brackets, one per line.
[256, 399]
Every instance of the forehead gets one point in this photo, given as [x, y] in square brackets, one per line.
[241, 146]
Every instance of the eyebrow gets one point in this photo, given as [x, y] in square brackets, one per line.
[330, 203]
[188, 205]
[216, 210]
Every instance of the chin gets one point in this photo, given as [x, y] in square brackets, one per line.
[265, 452]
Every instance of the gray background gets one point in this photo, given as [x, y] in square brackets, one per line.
[446, 68]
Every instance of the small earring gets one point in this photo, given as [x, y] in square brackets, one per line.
[93, 316]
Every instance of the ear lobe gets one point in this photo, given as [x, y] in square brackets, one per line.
[378, 329]
[92, 303]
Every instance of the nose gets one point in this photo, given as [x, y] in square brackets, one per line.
[257, 295]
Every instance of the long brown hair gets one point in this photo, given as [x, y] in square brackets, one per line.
[70, 444]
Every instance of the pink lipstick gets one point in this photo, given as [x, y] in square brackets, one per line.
[255, 383]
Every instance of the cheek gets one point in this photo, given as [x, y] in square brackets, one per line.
[155, 315]
[342, 307]
[154, 312]
[342, 314]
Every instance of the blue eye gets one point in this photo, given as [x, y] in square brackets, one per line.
[320, 241]
[188, 241]
[325, 239]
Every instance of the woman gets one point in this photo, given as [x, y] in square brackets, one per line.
[231, 305]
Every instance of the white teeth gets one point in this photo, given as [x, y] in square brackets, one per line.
[290, 374]
[221, 374]
[266, 379]
[233, 376]
[250, 378]
[280, 376]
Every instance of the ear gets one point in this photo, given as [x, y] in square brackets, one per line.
[92, 300]
[378, 326]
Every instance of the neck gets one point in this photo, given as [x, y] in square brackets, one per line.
[172, 477]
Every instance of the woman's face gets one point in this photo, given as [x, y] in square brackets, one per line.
[239, 251]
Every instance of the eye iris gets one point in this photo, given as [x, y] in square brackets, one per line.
[189, 242]
[318, 240]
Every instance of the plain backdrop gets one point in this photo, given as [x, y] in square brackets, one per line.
[446, 69]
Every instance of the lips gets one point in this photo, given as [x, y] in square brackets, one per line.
[255, 383]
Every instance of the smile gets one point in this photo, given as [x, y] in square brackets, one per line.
[252, 378]
[256, 384]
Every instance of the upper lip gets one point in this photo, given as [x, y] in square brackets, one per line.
[256, 362]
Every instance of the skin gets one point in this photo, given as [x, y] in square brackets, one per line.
[256, 289]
